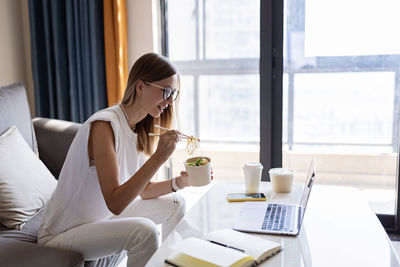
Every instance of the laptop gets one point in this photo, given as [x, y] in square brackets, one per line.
[276, 218]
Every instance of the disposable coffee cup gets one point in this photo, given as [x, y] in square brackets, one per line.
[252, 176]
[198, 175]
[281, 180]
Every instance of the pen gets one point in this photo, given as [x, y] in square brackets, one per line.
[217, 243]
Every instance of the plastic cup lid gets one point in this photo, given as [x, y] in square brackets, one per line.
[253, 165]
[281, 171]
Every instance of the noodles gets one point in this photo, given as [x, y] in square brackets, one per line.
[198, 162]
[192, 144]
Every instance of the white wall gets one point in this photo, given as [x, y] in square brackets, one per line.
[14, 39]
[142, 28]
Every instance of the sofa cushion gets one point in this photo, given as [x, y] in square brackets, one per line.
[15, 253]
[25, 183]
[29, 231]
[14, 110]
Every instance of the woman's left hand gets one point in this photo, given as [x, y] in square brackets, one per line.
[182, 181]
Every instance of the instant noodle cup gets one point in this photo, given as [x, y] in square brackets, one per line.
[199, 170]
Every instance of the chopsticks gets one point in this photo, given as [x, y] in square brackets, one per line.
[160, 127]
[154, 134]
[184, 136]
[166, 129]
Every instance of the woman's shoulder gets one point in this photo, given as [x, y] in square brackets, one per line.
[107, 114]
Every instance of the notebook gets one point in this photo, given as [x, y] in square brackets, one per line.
[224, 247]
[275, 218]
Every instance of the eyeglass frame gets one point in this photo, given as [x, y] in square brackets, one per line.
[166, 89]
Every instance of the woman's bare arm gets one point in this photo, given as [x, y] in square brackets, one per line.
[156, 189]
[116, 196]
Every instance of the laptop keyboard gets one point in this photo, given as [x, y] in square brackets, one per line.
[279, 218]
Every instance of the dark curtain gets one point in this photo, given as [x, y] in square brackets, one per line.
[67, 46]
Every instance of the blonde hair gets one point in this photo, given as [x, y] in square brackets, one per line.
[150, 67]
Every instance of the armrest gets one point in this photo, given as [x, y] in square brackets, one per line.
[54, 138]
[15, 253]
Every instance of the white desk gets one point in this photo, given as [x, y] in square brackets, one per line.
[339, 228]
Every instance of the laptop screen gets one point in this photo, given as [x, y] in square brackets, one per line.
[307, 188]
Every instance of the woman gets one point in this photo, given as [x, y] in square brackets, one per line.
[95, 208]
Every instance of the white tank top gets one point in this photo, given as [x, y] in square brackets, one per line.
[77, 198]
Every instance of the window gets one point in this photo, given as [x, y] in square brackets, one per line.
[215, 45]
[340, 91]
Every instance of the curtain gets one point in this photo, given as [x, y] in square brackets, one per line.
[67, 47]
[115, 41]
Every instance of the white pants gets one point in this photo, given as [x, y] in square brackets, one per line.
[134, 231]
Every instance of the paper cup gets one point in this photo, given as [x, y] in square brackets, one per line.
[198, 175]
[252, 176]
[281, 179]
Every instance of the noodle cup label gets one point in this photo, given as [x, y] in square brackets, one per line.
[198, 175]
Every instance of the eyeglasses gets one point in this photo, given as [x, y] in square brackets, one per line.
[167, 91]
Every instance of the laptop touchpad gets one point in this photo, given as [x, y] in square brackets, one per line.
[252, 214]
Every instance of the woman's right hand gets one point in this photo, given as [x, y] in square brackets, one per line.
[167, 144]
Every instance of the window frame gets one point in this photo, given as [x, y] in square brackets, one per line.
[271, 74]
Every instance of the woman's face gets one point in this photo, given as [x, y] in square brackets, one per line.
[152, 97]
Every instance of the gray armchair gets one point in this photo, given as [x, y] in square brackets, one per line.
[53, 138]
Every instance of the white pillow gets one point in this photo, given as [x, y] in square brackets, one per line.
[25, 182]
